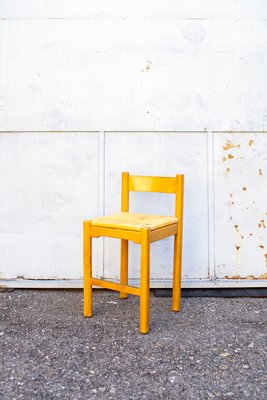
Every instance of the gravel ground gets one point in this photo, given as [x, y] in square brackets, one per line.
[213, 349]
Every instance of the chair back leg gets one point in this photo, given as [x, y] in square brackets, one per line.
[124, 267]
[87, 269]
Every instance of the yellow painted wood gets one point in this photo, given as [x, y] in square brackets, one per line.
[179, 198]
[177, 258]
[139, 228]
[87, 269]
[152, 184]
[134, 221]
[124, 267]
[125, 191]
[134, 236]
[116, 286]
[144, 281]
[162, 233]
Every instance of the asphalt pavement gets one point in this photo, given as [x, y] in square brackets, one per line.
[215, 348]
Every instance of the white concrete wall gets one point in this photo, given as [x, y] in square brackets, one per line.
[88, 89]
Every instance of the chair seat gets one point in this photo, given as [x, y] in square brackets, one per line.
[134, 221]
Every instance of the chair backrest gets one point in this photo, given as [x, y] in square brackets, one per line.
[134, 183]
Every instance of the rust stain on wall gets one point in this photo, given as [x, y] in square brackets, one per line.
[148, 66]
[260, 171]
[230, 145]
[250, 143]
[230, 156]
[248, 277]
[226, 172]
[261, 224]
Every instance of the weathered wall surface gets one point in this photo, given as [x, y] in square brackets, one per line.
[240, 199]
[88, 89]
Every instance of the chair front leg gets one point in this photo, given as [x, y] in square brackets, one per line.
[177, 272]
[144, 281]
[124, 266]
[87, 269]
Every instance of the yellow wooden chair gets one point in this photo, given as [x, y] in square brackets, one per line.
[139, 228]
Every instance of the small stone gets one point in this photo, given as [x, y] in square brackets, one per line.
[173, 376]
[210, 395]
[112, 390]
[225, 355]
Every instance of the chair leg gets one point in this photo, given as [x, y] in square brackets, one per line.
[87, 269]
[177, 261]
[144, 281]
[124, 266]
